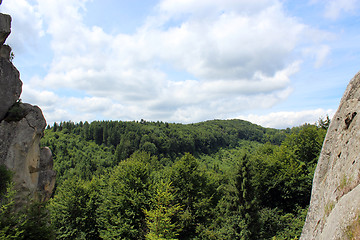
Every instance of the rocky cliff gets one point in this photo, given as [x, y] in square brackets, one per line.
[334, 210]
[21, 128]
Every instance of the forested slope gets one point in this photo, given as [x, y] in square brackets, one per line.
[85, 149]
[152, 180]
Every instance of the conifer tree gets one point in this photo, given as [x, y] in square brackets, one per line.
[240, 212]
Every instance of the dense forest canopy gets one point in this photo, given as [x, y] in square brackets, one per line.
[220, 179]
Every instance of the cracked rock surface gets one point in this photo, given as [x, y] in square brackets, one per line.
[335, 199]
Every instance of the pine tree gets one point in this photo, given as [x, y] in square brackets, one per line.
[239, 206]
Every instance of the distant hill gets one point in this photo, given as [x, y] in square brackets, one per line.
[170, 138]
[219, 179]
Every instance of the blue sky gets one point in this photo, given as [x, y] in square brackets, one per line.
[277, 63]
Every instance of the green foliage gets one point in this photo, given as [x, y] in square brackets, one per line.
[307, 143]
[229, 179]
[283, 174]
[275, 224]
[160, 217]
[290, 224]
[5, 179]
[30, 221]
[121, 213]
[324, 123]
[244, 203]
[73, 209]
[37, 223]
[238, 218]
[281, 180]
[15, 113]
[11, 221]
[74, 157]
[12, 56]
[169, 140]
[195, 192]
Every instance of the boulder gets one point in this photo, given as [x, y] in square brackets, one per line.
[21, 153]
[335, 199]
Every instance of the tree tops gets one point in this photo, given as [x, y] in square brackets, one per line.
[240, 181]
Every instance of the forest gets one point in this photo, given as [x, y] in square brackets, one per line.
[219, 179]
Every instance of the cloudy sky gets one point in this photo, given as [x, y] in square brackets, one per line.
[277, 63]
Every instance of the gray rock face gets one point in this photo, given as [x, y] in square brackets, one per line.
[5, 27]
[47, 176]
[10, 86]
[21, 128]
[5, 52]
[20, 152]
[335, 199]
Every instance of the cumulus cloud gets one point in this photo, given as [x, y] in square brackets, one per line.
[26, 26]
[237, 54]
[60, 108]
[333, 9]
[287, 119]
[232, 43]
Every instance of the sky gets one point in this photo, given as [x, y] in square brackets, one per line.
[276, 63]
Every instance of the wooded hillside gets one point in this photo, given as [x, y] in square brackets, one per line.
[221, 179]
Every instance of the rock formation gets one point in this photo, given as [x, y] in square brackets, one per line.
[21, 128]
[335, 199]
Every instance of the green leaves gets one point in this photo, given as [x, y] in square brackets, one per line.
[160, 219]
[239, 208]
[236, 187]
[28, 220]
[5, 179]
[73, 209]
[194, 192]
[11, 221]
[121, 213]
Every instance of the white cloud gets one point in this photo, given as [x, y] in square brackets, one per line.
[238, 54]
[40, 97]
[334, 8]
[231, 44]
[26, 25]
[206, 8]
[320, 54]
[59, 108]
[287, 119]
